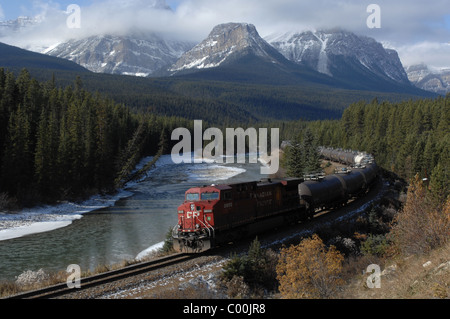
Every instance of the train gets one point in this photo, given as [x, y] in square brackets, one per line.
[212, 215]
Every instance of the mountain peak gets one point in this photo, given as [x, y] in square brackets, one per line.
[437, 81]
[225, 43]
[233, 26]
[137, 54]
[323, 50]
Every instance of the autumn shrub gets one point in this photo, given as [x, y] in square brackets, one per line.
[309, 270]
[423, 224]
[8, 288]
[237, 288]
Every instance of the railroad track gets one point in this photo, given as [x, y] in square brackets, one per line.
[155, 264]
[106, 277]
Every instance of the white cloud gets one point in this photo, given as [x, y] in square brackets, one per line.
[433, 54]
[410, 26]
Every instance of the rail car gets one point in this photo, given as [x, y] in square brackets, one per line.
[216, 214]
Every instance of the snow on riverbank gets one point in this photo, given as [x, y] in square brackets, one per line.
[149, 251]
[208, 172]
[47, 218]
[50, 217]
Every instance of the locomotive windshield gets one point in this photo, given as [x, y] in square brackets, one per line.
[192, 196]
[210, 196]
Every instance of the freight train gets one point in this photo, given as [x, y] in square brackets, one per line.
[216, 214]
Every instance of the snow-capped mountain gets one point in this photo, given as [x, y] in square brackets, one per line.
[139, 55]
[339, 53]
[334, 57]
[435, 81]
[226, 43]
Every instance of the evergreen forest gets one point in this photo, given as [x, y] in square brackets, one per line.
[406, 138]
[67, 143]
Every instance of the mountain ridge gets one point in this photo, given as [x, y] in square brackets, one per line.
[236, 46]
[143, 54]
[226, 42]
[434, 81]
[135, 54]
[342, 55]
[16, 58]
[226, 94]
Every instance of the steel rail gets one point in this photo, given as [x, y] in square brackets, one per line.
[106, 277]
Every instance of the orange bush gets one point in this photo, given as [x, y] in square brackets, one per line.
[423, 224]
[309, 270]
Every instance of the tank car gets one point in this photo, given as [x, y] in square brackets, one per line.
[369, 173]
[335, 190]
[325, 152]
[326, 193]
[347, 157]
[353, 182]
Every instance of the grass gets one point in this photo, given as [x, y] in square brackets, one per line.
[40, 279]
[414, 277]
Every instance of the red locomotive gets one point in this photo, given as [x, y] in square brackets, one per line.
[216, 214]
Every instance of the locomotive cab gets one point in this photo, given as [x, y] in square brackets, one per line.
[196, 211]
[195, 230]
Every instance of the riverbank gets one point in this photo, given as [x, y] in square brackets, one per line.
[15, 224]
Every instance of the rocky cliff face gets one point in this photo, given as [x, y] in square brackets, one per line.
[139, 55]
[421, 76]
[335, 52]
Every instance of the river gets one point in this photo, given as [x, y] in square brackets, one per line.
[127, 227]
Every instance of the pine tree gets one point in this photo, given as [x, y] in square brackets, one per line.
[42, 155]
[295, 158]
[303, 155]
[311, 156]
[63, 161]
[7, 106]
[439, 182]
[17, 168]
[104, 148]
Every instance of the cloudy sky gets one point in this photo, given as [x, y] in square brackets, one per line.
[419, 30]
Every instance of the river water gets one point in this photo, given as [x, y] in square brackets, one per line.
[124, 230]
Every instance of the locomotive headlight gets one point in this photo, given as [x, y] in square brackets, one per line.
[197, 226]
